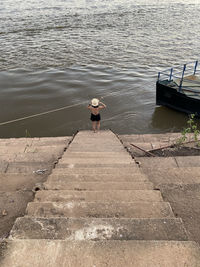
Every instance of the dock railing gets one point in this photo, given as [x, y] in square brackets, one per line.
[180, 74]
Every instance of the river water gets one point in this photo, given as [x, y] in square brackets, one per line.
[61, 53]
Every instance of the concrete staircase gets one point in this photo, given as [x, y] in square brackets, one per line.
[97, 210]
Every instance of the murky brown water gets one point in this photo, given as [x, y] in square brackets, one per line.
[63, 53]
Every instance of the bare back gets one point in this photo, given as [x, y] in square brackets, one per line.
[95, 110]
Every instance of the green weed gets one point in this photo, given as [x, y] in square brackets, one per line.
[189, 133]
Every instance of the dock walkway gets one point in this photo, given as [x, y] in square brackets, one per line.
[98, 209]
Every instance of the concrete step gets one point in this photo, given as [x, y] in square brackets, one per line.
[7, 157]
[12, 205]
[52, 141]
[157, 163]
[98, 196]
[132, 138]
[133, 177]
[99, 164]
[90, 134]
[94, 160]
[98, 229]
[28, 167]
[63, 185]
[14, 182]
[95, 149]
[100, 210]
[36, 157]
[3, 166]
[107, 139]
[5, 149]
[146, 138]
[16, 141]
[187, 175]
[88, 155]
[96, 142]
[94, 171]
[104, 133]
[25, 253]
[42, 141]
[144, 146]
[188, 161]
[57, 149]
[96, 138]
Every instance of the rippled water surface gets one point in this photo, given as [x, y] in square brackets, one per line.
[60, 53]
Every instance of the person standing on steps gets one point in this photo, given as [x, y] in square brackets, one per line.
[95, 108]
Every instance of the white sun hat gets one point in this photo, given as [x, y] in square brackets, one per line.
[95, 102]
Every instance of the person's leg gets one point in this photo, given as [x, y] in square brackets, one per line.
[94, 126]
[98, 125]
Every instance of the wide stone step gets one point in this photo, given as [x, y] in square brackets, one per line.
[96, 143]
[89, 134]
[6, 149]
[99, 164]
[7, 157]
[146, 138]
[58, 149]
[95, 146]
[133, 177]
[88, 155]
[36, 157]
[28, 167]
[94, 171]
[3, 166]
[47, 141]
[63, 185]
[98, 196]
[25, 253]
[14, 182]
[36, 140]
[153, 163]
[187, 175]
[96, 140]
[100, 210]
[188, 161]
[98, 229]
[88, 161]
[96, 149]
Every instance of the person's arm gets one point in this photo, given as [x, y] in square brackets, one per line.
[102, 105]
[89, 106]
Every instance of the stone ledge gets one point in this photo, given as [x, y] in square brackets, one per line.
[26, 253]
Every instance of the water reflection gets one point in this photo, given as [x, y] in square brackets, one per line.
[61, 53]
[165, 119]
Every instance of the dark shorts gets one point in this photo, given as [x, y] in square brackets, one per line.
[95, 117]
